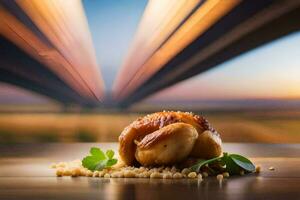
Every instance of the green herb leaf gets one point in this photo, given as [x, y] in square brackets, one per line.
[230, 166]
[243, 162]
[97, 153]
[98, 160]
[111, 162]
[201, 163]
[101, 165]
[110, 153]
[232, 163]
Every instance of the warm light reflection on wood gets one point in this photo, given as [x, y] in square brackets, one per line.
[158, 22]
[198, 23]
[65, 25]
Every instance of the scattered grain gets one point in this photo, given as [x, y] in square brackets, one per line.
[160, 169]
[89, 173]
[61, 164]
[146, 174]
[101, 173]
[205, 174]
[53, 165]
[185, 171]
[76, 172]
[155, 175]
[167, 168]
[192, 175]
[177, 175]
[129, 174]
[60, 172]
[96, 174]
[75, 169]
[173, 169]
[167, 175]
[143, 169]
[257, 168]
[115, 175]
[107, 175]
[242, 172]
[199, 176]
[220, 177]
[226, 174]
[67, 172]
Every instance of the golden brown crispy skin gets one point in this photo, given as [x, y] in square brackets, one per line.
[168, 145]
[143, 126]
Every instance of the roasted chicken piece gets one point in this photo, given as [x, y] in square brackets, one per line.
[168, 145]
[165, 138]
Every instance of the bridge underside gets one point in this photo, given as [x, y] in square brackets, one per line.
[248, 25]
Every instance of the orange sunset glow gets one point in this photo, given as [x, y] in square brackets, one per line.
[267, 73]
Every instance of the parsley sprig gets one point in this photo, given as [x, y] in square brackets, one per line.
[99, 160]
[232, 163]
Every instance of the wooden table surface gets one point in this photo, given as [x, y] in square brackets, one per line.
[25, 174]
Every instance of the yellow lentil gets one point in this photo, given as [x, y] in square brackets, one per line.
[59, 172]
[177, 175]
[192, 175]
[271, 168]
[220, 177]
[226, 174]
[107, 175]
[199, 176]
[185, 171]
[205, 174]
[155, 175]
[129, 174]
[167, 175]
[89, 173]
[96, 174]
[257, 169]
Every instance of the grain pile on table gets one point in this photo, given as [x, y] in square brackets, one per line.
[75, 168]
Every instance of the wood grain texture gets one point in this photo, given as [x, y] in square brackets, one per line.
[25, 174]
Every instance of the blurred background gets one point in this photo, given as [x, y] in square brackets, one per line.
[80, 71]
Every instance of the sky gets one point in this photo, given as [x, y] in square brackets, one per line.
[112, 25]
[270, 71]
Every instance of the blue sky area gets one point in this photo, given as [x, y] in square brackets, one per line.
[112, 24]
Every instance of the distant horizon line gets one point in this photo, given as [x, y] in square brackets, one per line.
[226, 99]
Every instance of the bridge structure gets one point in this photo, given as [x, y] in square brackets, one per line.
[47, 48]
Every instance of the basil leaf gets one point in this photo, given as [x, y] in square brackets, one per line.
[201, 163]
[231, 167]
[242, 162]
[232, 163]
